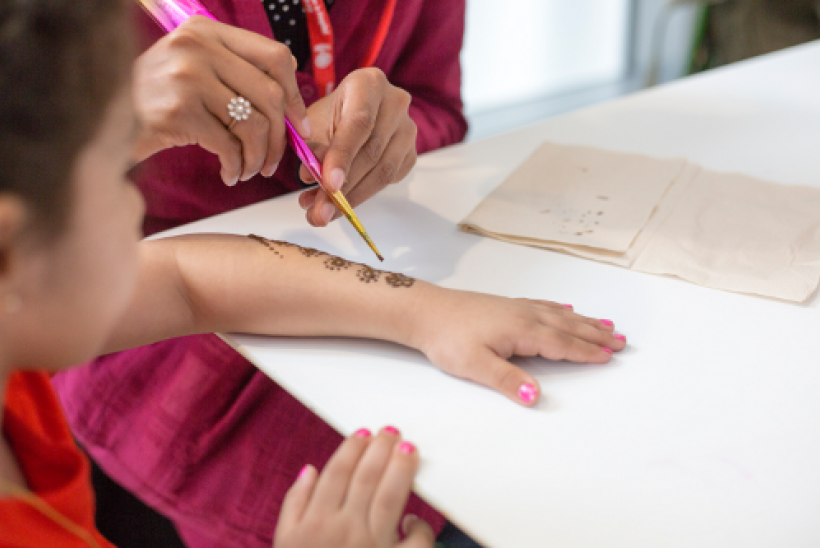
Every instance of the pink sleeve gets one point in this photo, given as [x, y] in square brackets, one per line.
[429, 69]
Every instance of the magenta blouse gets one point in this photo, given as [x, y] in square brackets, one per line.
[187, 424]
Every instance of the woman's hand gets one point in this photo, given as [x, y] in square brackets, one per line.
[366, 139]
[472, 335]
[358, 500]
[183, 85]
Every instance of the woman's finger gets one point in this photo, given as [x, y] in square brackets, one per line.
[274, 59]
[354, 125]
[266, 97]
[252, 133]
[418, 533]
[391, 494]
[389, 169]
[334, 480]
[487, 368]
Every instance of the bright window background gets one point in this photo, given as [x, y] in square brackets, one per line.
[525, 50]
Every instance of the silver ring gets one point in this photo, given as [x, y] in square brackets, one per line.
[239, 109]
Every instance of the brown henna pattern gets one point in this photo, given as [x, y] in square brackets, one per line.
[364, 273]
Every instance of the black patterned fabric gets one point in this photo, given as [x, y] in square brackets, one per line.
[289, 25]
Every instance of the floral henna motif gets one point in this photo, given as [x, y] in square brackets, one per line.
[364, 273]
[399, 280]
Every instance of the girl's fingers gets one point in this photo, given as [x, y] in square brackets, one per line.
[489, 369]
[369, 472]
[297, 498]
[331, 489]
[582, 330]
[391, 493]
[557, 345]
[418, 533]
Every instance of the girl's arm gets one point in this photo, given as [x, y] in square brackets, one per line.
[222, 283]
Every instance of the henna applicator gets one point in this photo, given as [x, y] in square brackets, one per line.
[169, 14]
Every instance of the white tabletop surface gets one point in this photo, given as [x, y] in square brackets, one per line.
[705, 432]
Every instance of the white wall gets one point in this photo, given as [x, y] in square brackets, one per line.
[520, 50]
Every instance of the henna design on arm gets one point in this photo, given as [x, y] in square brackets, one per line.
[364, 273]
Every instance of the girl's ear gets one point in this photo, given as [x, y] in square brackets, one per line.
[13, 215]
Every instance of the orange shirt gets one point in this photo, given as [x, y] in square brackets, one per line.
[54, 467]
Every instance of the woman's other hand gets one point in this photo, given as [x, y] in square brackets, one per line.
[366, 139]
[358, 499]
[184, 83]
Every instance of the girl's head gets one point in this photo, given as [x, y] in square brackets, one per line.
[69, 219]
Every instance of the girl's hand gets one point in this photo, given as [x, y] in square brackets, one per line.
[472, 335]
[357, 500]
[184, 82]
[366, 139]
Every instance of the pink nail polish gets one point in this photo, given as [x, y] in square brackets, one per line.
[391, 430]
[607, 350]
[407, 448]
[363, 433]
[607, 322]
[527, 392]
[303, 471]
[568, 306]
[620, 337]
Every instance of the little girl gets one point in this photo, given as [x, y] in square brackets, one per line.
[76, 282]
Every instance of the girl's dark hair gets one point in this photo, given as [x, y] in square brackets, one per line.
[61, 63]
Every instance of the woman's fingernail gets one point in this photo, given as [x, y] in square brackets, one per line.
[620, 337]
[607, 350]
[568, 306]
[527, 392]
[391, 430]
[407, 522]
[327, 212]
[363, 433]
[336, 179]
[303, 471]
[306, 128]
[407, 448]
[607, 323]
[270, 172]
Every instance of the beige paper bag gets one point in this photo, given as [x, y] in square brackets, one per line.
[724, 231]
[576, 195]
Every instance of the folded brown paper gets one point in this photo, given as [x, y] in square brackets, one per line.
[724, 231]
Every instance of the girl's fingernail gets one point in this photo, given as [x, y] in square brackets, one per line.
[306, 128]
[391, 430]
[620, 337]
[607, 323]
[336, 179]
[568, 306]
[363, 433]
[527, 392]
[303, 471]
[607, 350]
[327, 212]
[407, 448]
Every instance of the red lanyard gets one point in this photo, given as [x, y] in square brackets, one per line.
[321, 42]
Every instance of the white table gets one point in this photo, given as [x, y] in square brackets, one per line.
[704, 433]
